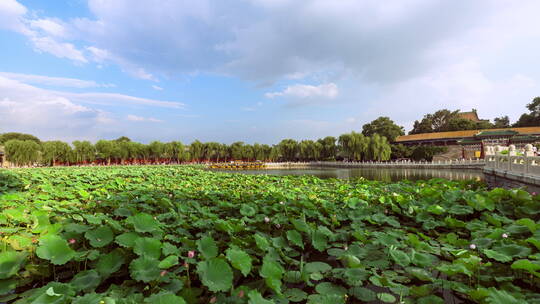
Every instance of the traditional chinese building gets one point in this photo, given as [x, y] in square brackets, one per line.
[472, 142]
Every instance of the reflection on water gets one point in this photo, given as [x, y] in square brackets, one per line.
[380, 174]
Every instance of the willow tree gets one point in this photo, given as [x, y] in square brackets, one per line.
[54, 151]
[105, 150]
[21, 152]
[288, 149]
[379, 148]
[329, 148]
[84, 151]
[196, 150]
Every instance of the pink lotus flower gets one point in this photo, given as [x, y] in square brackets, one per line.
[504, 235]
[186, 265]
[241, 294]
[534, 193]
[213, 300]
[472, 246]
[191, 254]
[266, 219]
[278, 226]
[163, 273]
[72, 241]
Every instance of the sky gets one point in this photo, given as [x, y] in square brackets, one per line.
[258, 70]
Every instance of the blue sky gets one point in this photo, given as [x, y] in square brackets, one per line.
[258, 70]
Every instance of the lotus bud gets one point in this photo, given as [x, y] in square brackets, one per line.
[163, 273]
[266, 219]
[505, 236]
[213, 300]
[278, 226]
[191, 254]
[472, 246]
[72, 241]
[281, 203]
[534, 193]
[241, 294]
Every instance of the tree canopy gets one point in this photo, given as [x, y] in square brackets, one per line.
[533, 117]
[383, 126]
[19, 136]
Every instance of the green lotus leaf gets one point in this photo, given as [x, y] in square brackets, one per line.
[423, 259]
[355, 276]
[351, 261]
[169, 249]
[319, 240]
[144, 269]
[535, 241]
[168, 262]
[317, 267]
[386, 297]
[295, 295]
[144, 222]
[110, 263]
[239, 259]
[431, 299]
[76, 228]
[513, 250]
[100, 237]
[86, 280]
[325, 299]
[7, 286]
[502, 297]
[55, 249]
[272, 272]
[261, 242]
[496, 255]
[255, 297]
[208, 247]
[327, 288]
[54, 293]
[400, 257]
[295, 238]
[89, 298]
[248, 210]
[10, 263]
[531, 267]
[420, 273]
[165, 298]
[301, 225]
[127, 239]
[216, 274]
[363, 294]
[528, 223]
[148, 247]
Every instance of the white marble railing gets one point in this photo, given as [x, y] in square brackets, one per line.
[405, 163]
[514, 164]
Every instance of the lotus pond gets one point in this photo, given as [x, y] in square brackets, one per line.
[173, 234]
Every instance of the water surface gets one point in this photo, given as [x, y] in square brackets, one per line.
[380, 174]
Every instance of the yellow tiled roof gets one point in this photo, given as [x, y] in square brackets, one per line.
[462, 134]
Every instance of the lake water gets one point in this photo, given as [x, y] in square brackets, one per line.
[381, 174]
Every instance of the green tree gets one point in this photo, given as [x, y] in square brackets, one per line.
[105, 150]
[436, 122]
[532, 118]
[84, 151]
[288, 149]
[19, 136]
[54, 151]
[383, 126]
[22, 152]
[196, 150]
[329, 148]
[502, 122]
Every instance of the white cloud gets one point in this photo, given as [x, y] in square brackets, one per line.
[54, 81]
[11, 13]
[25, 108]
[50, 26]
[327, 90]
[115, 98]
[157, 88]
[136, 118]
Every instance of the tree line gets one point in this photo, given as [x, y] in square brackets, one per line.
[25, 150]
[446, 120]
